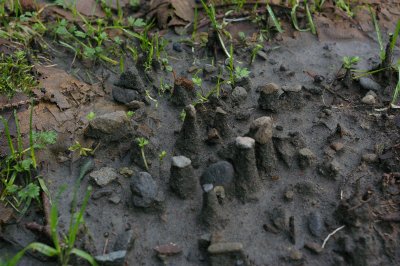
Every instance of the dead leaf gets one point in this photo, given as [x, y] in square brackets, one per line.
[171, 12]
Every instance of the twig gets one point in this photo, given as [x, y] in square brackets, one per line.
[43, 229]
[331, 234]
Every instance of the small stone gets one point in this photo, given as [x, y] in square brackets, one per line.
[369, 84]
[177, 47]
[115, 258]
[218, 174]
[225, 247]
[262, 55]
[135, 105]
[289, 194]
[315, 224]
[239, 94]
[337, 146]
[296, 255]
[123, 95]
[145, 191]
[280, 218]
[269, 97]
[369, 158]
[124, 240]
[313, 247]
[292, 88]
[104, 176]
[181, 161]
[126, 171]
[306, 158]
[111, 126]
[369, 99]
[115, 199]
[244, 142]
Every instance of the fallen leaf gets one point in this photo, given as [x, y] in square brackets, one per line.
[171, 12]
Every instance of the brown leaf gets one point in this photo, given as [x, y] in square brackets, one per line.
[171, 12]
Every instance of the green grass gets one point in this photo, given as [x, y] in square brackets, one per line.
[63, 247]
[16, 74]
[19, 187]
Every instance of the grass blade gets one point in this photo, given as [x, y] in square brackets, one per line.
[274, 19]
[31, 144]
[382, 54]
[294, 18]
[74, 227]
[84, 255]
[310, 20]
[396, 90]
[395, 35]
[42, 248]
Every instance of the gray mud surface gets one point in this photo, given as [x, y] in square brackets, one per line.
[292, 208]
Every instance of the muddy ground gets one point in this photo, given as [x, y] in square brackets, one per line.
[333, 160]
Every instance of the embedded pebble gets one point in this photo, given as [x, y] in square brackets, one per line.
[104, 176]
[337, 146]
[181, 161]
[313, 247]
[239, 94]
[369, 99]
[369, 84]
[315, 224]
[369, 157]
[244, 142]
[306, 158]
[292, 88]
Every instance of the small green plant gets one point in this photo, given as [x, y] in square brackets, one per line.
[241, 72]
[345, 7]
[130, 114]
[350, 61]
[63, 249]
[90, 116]
[293, 15]
[16, 74]
[162, 155]
[142, 142]
[197, 81]
[82, 150]
[348, 64]
[182, 115]
[254, 52]
[18, 185]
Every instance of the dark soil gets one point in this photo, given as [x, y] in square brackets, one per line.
[326, 160]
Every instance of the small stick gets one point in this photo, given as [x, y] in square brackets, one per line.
[44, 229]
[331, 234]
